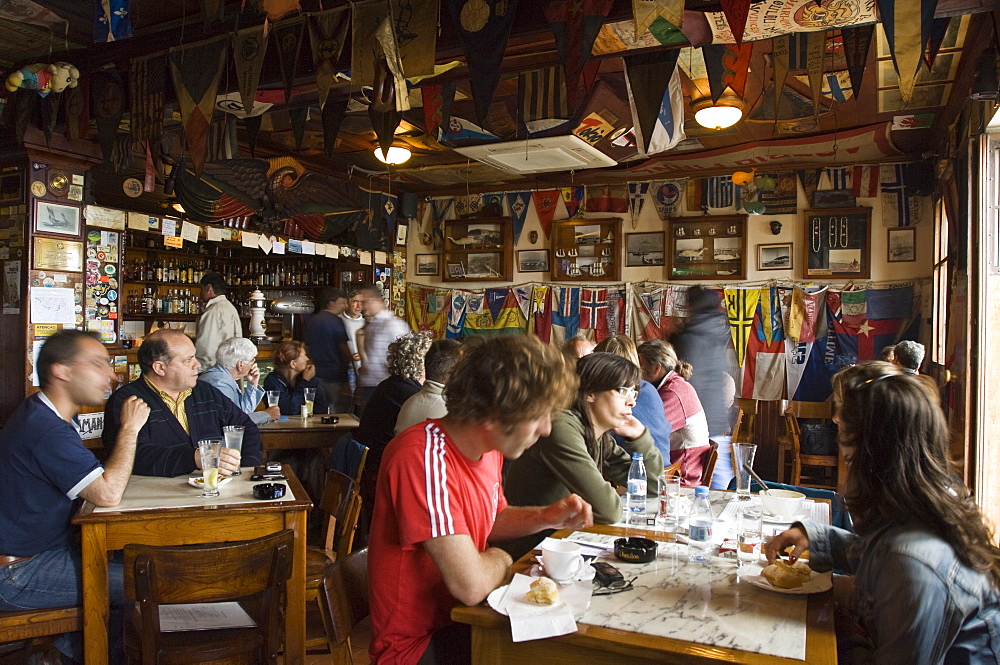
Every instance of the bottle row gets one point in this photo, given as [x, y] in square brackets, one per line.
[173, 301]
[182, 271]
[308, 272]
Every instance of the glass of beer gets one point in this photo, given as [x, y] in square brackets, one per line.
[234, 440]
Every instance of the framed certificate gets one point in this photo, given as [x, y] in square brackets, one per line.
[56, 254]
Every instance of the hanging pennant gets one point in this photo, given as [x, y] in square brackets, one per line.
[298, 117]
[573, 200]
[288, 40]
[109, 105]
[545, 207]
[727, 66]
[518, 202]
[387, 39]
[542, 94]
[77, 109]
[907, 29]
[816, 48]
[736, 12]
[857, 41]
[779, 60]
[111, 20]
[415, 27]
[252, 125]
[939, 28]
[147, 88]
[196, 71]
[382, 112]
[668, 197]
[648, 11]
[606, 198]
[575, 24]
[249, 47]
[327, 32]
[331, 117]
[637, 197]
[212, 10]
[647, 77]
[389, 206]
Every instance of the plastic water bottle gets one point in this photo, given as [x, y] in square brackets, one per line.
[700, 527]
[636, 490]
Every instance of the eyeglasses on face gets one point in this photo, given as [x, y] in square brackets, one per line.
[628, 392]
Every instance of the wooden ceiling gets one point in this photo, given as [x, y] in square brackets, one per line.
[157, 26]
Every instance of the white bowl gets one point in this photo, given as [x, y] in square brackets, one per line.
[785, 503]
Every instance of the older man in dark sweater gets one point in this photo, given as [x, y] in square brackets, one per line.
[183, 411]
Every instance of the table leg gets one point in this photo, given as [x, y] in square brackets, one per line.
[94, 564]
[295, 608]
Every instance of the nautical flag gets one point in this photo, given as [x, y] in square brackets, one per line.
[727, 66]
[810, 182]
[573, 200]
[460, 129]
[834, 178]
[736, 12]
[565, 313]
[864, 181]
[647, 77]
[390, 204]
[669, 128]
[594, 312]
[288, 41]
[540, 322]
[646, 12]
[111, 20]
[495, 299]
[779, 58]
[770, 328]
[783, 199]
[892, 303]
[668, 197]
[898, 208]
[907, 29]
[763, 369]
[606, 198]
[545, 207]
[741, 304]
[853, 306]
[196, 71]
[468, 205]
[803, 315]
[518, 202]
[327, 32]
[543, 94]
[797, 356]
[456, 317]
[249, 47]
[575, 24]
[857, 40]
[483, 29]
[637, 197]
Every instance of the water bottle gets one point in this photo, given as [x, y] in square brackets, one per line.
[636, 490]
[700, 527]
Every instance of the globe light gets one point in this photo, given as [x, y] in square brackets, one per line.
[396, 155]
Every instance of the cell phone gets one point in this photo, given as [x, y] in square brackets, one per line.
[267, 476]
[608, 575]
[273, 467]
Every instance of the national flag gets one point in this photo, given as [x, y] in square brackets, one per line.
[720, 192]
[573, 200]
[741, 305]
[594, 312]
[694, 195]
[864, 181]
[668, 197]
[575, 24]
[543, 94]
[803, 315]
[907, 29]
[853, 307]
[196, 72]
[565, 313]
[606, 198]
[763, 368]
[545, 207]
[327, 33]
[637, 197]
[784, 198]
[427, 310]
[898, 207]
[112, 20]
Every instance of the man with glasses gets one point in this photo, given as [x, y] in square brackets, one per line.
[46, 468]
[354, 321]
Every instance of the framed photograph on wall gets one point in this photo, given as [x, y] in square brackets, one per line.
[644, 249]
[456, 270]
[57, 219]
[777, 256]
[838, 242]
[428, 264]
[533, 260]
[902, 245]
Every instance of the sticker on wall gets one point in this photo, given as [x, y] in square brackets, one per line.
[75, 193]
[38, 188]
[132, 187]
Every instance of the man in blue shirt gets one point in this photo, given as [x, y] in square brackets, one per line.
[46, 467]
[325, 338]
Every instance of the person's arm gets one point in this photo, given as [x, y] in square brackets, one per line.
[252, 451]
[290, 401]
[571, 512]
[469, 574]
[106, 490]
[637, 439]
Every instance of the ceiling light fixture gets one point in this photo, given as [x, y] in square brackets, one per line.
[177, 206]
[396, 155]
[715, 115]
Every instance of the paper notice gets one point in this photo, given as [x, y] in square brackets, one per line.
[294, 246]
[189, 231]
[381, 258]
[168, 226]
[52, 305]
[333, 251]
[279, 246]
[173, 241]
[203, 616]
[250, 240]
[264, 243]
[214, 233]
[142, 222]
[365, 258]
[321, 249]
[308, 247]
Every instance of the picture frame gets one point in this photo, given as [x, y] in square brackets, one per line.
[401, 232]
[484, 265]
[57, 254]
[12, 186]
[533, 260]
[838, 243]
[901, 245]
[456, 270]
[57, 219]
[644, 249]
[707, 248]
[428, 264]
[775, 256]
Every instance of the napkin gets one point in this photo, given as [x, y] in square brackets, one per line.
[534, 622]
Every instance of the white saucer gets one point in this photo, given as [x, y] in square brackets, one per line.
[784, 519]
[818, 583]
[199, 481]
[576, 596]
[585, 574]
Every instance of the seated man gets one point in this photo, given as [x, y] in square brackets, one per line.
[236, 359]
[46, 467]
[441, 358]
[440, 502]
[183, 411]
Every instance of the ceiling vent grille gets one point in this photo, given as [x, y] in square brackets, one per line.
[554, 153]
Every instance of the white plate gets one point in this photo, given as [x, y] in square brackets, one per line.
[783, 519]
[585, 574]
[818, 583]
[496, 597]
[199, 482]
[577, 596]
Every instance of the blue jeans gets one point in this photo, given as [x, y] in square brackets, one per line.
[53, 579]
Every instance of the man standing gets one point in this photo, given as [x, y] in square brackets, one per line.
[440, 500]
[354, 321]
[909, 356]
[218, 322]
[183, 411]
[326, 340]
[46, 467]
[383, 328]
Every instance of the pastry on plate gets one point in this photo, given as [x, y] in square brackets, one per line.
[787, 576]
[543, 591]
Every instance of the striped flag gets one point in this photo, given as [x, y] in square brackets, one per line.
[543, 94]
[741, 304]
[720, 192]
[864, 181]
[898, 208]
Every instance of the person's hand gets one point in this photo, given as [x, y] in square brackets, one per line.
[356, 357]
[273, 411]
[229, 461]
[631, 428]
[309, 372]
[569, 513]
[253, 376]
[796, 536]
[134, 414]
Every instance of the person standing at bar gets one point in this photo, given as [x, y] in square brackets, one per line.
[383, 329]
[354, 321]
[326, 338]
[218, 322]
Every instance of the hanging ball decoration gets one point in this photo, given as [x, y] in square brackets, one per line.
[742, 178]
[765, 183]
[754, 208]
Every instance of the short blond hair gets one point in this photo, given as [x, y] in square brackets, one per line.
[620, 345]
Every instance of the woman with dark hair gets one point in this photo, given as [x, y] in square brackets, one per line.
[927, 569]
[293, 372]
[579, 456]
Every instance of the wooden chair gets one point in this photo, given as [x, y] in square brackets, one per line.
[253, 573]
[708, 464]
[810, 410]
[674, 469]
[799, 460]
[343, 597]
[25, 626]
[746, 415]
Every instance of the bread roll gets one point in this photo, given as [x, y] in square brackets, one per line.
[787, 576]
[543, 591]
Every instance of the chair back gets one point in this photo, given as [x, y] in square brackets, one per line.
[255, 571]
[746, 416]
[708, 463]
[674, 470]
[340, 507]
[349, 457]
[343, 596]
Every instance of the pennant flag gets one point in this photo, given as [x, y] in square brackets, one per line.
[468, 205]
[669, 128]
[415, 27]
[573, 200]
[803, 315]
[495, 299]
[432, 97]
[606, 198]
[864, 181]
[797, 355]
[853, 306]
[111, 20]
[540, 323]
[907, 30]
[783, 199]
[456, 317]
[196, 71]
[780, 47]
[575, 24]
[857, 40]
[594, 312]
[939, 28]
[249, 47]
[147, 88]
[898, 208]
[252, 125]
[545, 207]
[648, 11]
[386, 37]
[616, 312]
[288, 40]
[668, 196]
[565, 314]
[741, 304]
[518, 202]
[692, 62]
[815, 50]
[327, 32]
[389, 206]
[834, 85]
[798, 51]
[460, 129]
[493, 204]
[483, 29]
[763, 368]
[297, 118]
[647, 76]
[810, 181]
[78, 107]
[637, 197]
[727, 66]
[109, 105]
[736, 15]
[833, 178]
[332, 117]
[543, 94]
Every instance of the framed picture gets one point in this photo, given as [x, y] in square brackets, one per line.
[57, 218]
[456, 269]
[533, 260]
[427, 264]
[12, 186]
[774, 257]
[644, 249]
[401, 230]
[56, 254]
[838, 243]
[902, 245]
[700, 248]
[485, 265]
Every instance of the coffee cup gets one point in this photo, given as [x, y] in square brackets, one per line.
[562, 560]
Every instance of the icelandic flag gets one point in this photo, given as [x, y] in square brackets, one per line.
[565, 313]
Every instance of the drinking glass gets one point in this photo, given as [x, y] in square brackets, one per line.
[743, 456]
[272, 398]
[210, 450]
[310, 399]
[234, 440]
[749, 525]
[669, 514]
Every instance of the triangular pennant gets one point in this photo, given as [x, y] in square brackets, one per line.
[857, 41]
[647, 11]
[647, 76]
[298, 117]
[518, 202]
[669, 128]
[332, 117]
[545, 207]
[575, 25]
[810, 181]
[386, 36]
[939, 28]
[77, 109]
[252, 124]
[49, 112]
[713, 67]
[196, 71]
[483, 28]
[288, 40]
[736, 12]
[573, 200]
[109, 105]
[637, 197]
[816, 45]
[249, 47]
[906, 31]
[779, 55]
[212, 10]
[327, 33]
[668, 197]
[727, 66]
[389, 208]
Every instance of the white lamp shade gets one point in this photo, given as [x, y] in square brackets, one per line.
[718, 117]
[396, 155]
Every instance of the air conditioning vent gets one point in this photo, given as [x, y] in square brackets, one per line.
[554, 153]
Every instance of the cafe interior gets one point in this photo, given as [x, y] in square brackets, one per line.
[500, 167]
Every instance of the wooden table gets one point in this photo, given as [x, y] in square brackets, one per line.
[491, 638]
[233, 516]
[298, 432]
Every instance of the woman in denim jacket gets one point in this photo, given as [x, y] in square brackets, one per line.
[927, 572]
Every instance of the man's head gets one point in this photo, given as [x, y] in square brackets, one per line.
[167, 359]
[441, 359]
[212, 285]
[355, 303]
[909, 354]
[76, 363]
[510, 385]
[405, 358]
[371, 295]
[236, 354]
[888, 353]
[331, 300]
[577, 347]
